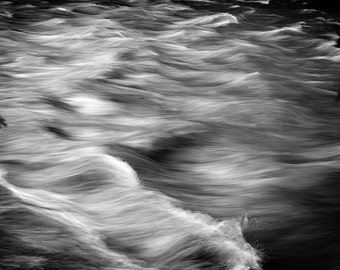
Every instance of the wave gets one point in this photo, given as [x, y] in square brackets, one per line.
[168, 135]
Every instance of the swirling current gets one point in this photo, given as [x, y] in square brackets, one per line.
[169, 135]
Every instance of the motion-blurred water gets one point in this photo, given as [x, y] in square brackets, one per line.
[148, 134]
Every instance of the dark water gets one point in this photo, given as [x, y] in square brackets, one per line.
[170, 135]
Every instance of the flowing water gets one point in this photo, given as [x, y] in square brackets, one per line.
[151, 134]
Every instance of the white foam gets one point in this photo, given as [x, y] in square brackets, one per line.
[91, 105]
[211, 20]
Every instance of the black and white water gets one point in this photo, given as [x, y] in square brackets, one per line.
[169, 135]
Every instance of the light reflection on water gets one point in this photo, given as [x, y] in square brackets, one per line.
[227, 109]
